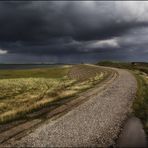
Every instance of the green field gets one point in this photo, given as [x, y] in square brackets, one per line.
[140, 70]
[24, 91]
[54, 72]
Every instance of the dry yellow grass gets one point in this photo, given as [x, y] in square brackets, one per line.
[19, 96]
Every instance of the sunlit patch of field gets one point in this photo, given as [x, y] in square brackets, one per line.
[20, 96]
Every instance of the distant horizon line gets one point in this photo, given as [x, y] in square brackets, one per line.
[62, 63]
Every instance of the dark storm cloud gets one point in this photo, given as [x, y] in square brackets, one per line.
[67, 27]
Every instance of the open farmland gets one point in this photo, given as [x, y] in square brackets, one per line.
[91, 118]
[24, 91]
[53, 72]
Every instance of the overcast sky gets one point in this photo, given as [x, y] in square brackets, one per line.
[73, 32]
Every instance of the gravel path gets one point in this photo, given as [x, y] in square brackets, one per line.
[96, 122]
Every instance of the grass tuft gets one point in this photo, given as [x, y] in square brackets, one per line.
[24, 91]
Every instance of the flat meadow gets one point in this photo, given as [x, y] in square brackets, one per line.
[26, 90]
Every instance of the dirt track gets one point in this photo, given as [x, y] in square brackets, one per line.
[96, 122]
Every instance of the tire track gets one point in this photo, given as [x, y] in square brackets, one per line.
[18, 131]
[96, 122]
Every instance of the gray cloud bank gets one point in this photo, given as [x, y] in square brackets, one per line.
[73, 28]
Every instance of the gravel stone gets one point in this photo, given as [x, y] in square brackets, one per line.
[96, 122]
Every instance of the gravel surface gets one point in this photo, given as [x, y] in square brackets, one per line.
[97, 122]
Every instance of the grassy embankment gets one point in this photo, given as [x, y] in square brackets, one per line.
[23, 91]
[140, 70]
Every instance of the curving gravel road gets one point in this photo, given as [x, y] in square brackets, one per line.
[96, 122]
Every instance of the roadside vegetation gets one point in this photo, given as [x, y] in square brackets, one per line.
[24, 91]
[140, 70]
